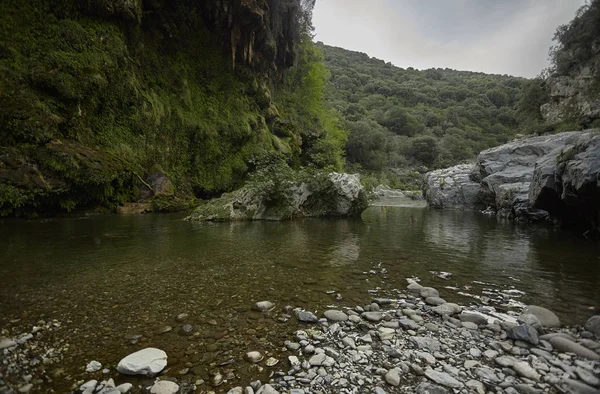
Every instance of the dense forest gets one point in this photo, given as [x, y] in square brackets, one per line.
[437, 117]
[97, 96]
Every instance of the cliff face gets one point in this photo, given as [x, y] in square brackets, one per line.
[574, 81]
[95, 93]
[575, 96]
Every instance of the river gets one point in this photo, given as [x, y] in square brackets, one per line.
[113, 282]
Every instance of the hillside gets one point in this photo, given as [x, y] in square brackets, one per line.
[99, 98]
[436, 117]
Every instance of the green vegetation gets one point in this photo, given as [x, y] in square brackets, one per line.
[409, 118]
[93, 94]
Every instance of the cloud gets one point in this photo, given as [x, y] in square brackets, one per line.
[501, 37]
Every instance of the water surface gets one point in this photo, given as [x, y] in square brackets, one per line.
[110, 278]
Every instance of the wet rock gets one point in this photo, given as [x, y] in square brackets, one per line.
[393, 377]
[181, 317]
[306, 317]
[443, 378]
[592, 325]
[186, 329]
[564, 345]
[264, 306]
[335, 315]
[254, 357]
[164, 387]
[546, 317]
[149, 362]
[93, 366]
[525, 333]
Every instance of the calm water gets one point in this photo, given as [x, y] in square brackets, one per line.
[109, 277]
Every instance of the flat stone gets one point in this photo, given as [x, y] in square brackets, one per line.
[433, 345]
[530, 320]
[470, 325]
[164, 387]
[564, 345]
[443, 378]
[505, 361]
[487, 374]
[429, 388]
[587, 377]
[148, 362]
[264, 306]
[572, 386]
[335, 315]
[6, 343]
[393, 377]
[124, 388]
[473, 318]
[317, 360]
[475, 386]
[435, 301]
[306, 317]
[546, 317]
[372, 316]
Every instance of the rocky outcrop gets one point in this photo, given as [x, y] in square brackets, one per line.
[566, 182]
[334, 195]
[532, 178]
[454, 187]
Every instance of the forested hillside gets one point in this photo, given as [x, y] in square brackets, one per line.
[398, 117]
[98, 97]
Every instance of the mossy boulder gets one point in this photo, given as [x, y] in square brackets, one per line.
[323, 194]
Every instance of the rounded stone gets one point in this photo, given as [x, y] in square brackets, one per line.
[593, 325]
[149, 362]
[335, 315]
[164, 387]
[264, 306]
[435, 301]
[429, 292]
[254, 357]
[546, 317]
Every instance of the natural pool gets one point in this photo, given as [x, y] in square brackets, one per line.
[114, 282]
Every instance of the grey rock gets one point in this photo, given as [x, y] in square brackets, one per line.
[572, 386]
[475, 386]
[525, 333]
[431, 344]
[564, 345]
[505, 361]
[443, 378]
[393, 377]
[522, 368]
[164, 387]
[254, 357]
[429, 292]
[6, 343]
[429, 388]
[444, 309]
[372, 316]
[592, 325]
[317, 359]
[435, 301]
[530, 320]
[236, 390]
[93, 366]
[452, 187]
[264, 306]
[306, 317]
[267, 389]
[335, 315]
[588, 377]
[546, 317]
[473, 318]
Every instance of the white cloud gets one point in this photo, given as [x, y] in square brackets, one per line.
[503, 37]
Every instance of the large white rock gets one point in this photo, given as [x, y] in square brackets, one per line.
[149, 361]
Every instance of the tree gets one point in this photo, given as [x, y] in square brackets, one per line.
[424, 149]
[399, 121]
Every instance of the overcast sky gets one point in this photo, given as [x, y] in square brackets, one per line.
[493, 36]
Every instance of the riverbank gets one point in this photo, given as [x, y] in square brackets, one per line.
[408, 340]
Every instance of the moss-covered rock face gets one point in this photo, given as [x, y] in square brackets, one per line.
[94, 93]
[296, 195]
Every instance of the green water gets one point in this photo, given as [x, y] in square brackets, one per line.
[106, 278]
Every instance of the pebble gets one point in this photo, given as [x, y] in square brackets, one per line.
[393, 377]
[335, 315]
[93, 366]
[254, 357]
[264, 306]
